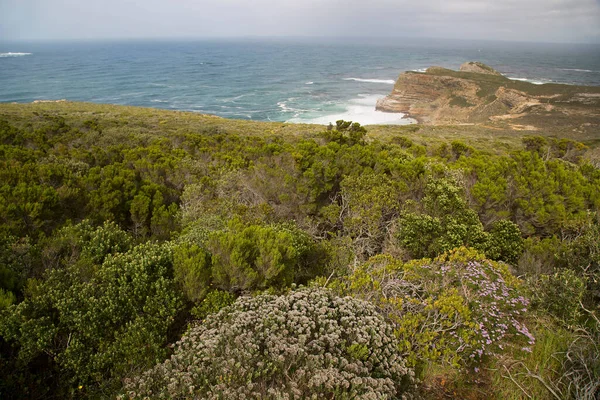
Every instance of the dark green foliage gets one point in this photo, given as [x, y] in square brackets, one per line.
[458, 101]
[504, 242]
[17, 260]
[85, 317]
[444, 223]
[535, 144]
[192, 269]
[560, 294]
[580, 252]
[212, 303]
[460, 149]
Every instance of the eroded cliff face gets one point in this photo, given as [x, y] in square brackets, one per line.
[477, 93]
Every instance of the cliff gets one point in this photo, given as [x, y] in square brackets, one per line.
[478, 93]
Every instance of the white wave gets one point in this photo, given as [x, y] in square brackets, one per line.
[14, 54]
[578, 70]
[535, 82]
[283, 105]
[420, 70]
[387, 81]
[309, 83]
[159, 101]
[361, 110]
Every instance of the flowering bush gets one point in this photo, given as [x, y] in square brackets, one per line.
[307, 344]
[454, 309]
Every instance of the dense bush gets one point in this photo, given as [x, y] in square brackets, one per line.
[455, 309]
[97, 322]
[560, 294]
[244, 207]
[443, 221]
[306, 344]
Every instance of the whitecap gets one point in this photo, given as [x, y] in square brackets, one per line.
[422, 70]
[386, 81]
[283, 105]
[14, 54]
[361, 110]
[159, 101]
[579, 70]
[309, 83]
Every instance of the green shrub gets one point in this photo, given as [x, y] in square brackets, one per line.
[192, 270]
[258, 257]
[453, 310]
[504, 242]
[212, 303]
[443, 221]
[97, 323]
[560, 294]
[6, 298]
[306, 344]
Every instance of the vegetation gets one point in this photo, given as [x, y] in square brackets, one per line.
[160, 254]
[307, 344]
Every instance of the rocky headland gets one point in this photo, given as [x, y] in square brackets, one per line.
[479, 94]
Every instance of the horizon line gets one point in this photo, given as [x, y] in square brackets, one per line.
[279, 38]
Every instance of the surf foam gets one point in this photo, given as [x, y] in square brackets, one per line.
[535, 82]
[14, 54]
[578, 70]
[361, 110]
[387, 81]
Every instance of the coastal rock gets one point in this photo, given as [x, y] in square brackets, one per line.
[478, 93]
[479, 68]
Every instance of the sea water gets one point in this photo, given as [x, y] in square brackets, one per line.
[294, 80]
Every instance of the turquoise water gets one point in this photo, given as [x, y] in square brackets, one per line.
[276, 80]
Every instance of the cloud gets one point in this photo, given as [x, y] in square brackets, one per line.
[529, 20]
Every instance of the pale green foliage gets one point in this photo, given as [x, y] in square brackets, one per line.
[85, 241]
[582, 254]
[444, 221]
[306, 344]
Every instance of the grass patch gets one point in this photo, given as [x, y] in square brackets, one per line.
[458, 101]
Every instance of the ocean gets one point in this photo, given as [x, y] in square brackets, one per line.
[293, 80]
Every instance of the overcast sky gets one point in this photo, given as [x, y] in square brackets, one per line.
[523, 20]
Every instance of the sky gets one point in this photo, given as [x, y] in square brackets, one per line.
[510, 20]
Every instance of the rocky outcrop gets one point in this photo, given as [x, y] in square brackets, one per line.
[479, 68]
[478, 93]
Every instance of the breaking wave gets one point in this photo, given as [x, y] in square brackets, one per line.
[361, 109]
[14, 54]
[387, 81]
